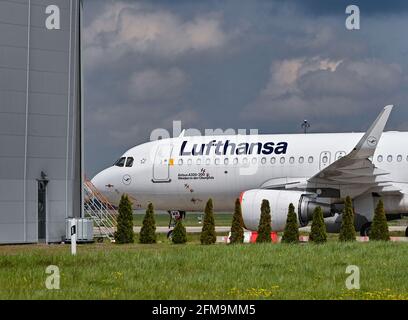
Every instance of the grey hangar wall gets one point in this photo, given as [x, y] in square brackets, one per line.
[41, 116]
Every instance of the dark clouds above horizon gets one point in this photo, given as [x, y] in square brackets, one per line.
[238, 64]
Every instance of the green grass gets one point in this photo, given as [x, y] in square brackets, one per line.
[193, 271]
[191, 220]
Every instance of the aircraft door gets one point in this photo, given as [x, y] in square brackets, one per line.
[339, 154]
[161, 165]
[42, 210]
[324, 159]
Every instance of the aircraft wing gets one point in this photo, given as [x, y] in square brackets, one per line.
[356, 168]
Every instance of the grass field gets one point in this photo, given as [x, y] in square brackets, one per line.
[193, 271]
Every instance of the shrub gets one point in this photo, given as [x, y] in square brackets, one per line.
[208, 231]
[237, 228]
[264, 228]
[124, 232]
[179, 234]
[379, 227]
[318, 230]
[291, 232]
[347, 230]
[148, 230]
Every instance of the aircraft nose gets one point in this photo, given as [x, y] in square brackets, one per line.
[99, 181]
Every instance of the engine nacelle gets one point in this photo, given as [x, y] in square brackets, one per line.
[279, 201]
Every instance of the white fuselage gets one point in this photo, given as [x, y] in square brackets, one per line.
[173, 177]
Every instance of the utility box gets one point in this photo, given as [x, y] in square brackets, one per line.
[84, 229]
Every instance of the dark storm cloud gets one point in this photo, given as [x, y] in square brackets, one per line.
[237, 64]
[337, 7]
[327, 90]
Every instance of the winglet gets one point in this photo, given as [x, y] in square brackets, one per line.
[368, 143]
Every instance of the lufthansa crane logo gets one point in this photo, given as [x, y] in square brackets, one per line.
[372, 141]
[126, 179]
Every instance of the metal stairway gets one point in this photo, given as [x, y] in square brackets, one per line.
[100, 211]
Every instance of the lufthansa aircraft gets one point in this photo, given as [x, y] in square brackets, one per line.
[308, 170]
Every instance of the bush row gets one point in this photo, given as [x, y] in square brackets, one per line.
[318, 234]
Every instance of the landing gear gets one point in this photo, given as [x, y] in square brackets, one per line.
[175, 215]
[406, 232]
[365, 229]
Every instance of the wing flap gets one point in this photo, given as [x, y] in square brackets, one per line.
[363, 172]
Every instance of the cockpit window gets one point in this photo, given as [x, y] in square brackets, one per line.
[120, 162]
[129, 162]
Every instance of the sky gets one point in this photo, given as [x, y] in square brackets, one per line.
[233, 64]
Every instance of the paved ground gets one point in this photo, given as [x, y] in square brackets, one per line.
[166, 229]
[390, 228]
[188, 229]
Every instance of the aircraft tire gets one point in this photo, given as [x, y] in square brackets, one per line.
[365, 230]
[169, 234]
[406, 231]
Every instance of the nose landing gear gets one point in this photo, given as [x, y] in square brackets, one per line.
[175, 215]
[365, 230]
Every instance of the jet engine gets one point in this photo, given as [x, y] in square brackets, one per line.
[279, 201]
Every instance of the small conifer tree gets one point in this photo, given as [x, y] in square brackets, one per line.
[124, 232]
[379, 227]
[208, 235]
[347, 230]
[237, 228]
[318, 230]
[264, 228]
[291, 232]
[148, 230]
[179, 235]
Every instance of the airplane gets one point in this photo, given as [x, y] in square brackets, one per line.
[308, 170]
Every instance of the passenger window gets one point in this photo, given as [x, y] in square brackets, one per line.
[189, 162]
[301, 160]
[389, 158]
[226, 161]
[380, 158]
[180, 162]
[129, 162]
[273, 160]
[291, 160]
[325, 159]
[245, 161]
[198, 161]
[310, 159]
[399, 158]
[207, 161]
[235, 161]
[120, 162]
[217, 161]
[282, 160]
[263, 160]
[254, 160]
